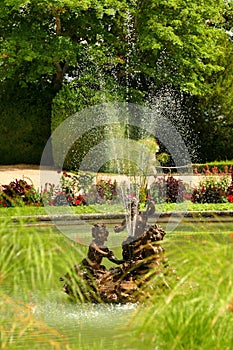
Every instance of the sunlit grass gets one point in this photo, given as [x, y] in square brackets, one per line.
[196, 313]
[31, 262]
[193, 311]
[82, 209]
[25, 330]
[113, 208]
[189, 206]
[32, 257]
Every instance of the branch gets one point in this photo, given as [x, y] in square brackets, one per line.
[61, 70]
[58, 24]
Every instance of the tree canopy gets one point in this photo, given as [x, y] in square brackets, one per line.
[173, 42]
[90, 51]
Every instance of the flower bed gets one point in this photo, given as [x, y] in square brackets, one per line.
[79, 190]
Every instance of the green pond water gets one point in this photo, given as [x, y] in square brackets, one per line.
[93, 324]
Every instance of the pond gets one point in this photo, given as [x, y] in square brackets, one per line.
[96, 325]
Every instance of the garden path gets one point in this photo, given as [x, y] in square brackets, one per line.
[31, 173]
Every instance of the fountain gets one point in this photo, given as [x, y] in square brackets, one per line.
[142, 257]
[112, 127]
[142, 254]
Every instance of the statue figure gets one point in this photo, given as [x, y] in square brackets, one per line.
[137, 219]
[141, 253]
[138, 224]
[97, 250]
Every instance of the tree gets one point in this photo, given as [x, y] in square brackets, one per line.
[169, 41]
[177, 44]
[212, 115]
[140, 45]
[43, 39]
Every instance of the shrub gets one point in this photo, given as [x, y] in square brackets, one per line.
[213, 168]
[19, 192]
[169, 190]
[229, 193]
[211, 190]
[101, 192]
[106, 189]
[67, 192]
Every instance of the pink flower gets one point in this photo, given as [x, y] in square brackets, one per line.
[215, 170]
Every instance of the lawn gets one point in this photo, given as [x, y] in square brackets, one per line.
[114, 208]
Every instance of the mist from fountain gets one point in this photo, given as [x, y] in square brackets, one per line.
[117, 151]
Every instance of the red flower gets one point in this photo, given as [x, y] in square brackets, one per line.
[230, 198]
[187, 196]
[80, 199]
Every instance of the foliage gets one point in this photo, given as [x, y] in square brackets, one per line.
[213, 168]
[94, 51]
[192, 323]
[43, 39]
[47, 39]
[163, 157]
[25, 120]
[19, 192]
[23, 325]
[32, 263]
[229, 192]
[82, 93]
[103, 191]
[177, 37]
[211, 115]
[106, 189]
[211, 190]
[167, 190]
[67, 192]
[78, 189]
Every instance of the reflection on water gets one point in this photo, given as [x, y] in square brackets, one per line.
[187, 230]
[79, 324]
[91, 321]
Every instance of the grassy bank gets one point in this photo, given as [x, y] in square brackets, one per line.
[113, 208]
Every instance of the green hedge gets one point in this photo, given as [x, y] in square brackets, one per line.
[25, 123]
[74, 97]
[223, 166]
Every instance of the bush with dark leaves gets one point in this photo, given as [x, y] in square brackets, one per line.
[168, 190]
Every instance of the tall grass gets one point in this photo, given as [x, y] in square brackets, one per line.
[25, 330]
[31, 261]
[31, 258]
[194, 310]
[196, 313]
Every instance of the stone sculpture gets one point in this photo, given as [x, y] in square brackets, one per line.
[142, 258]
